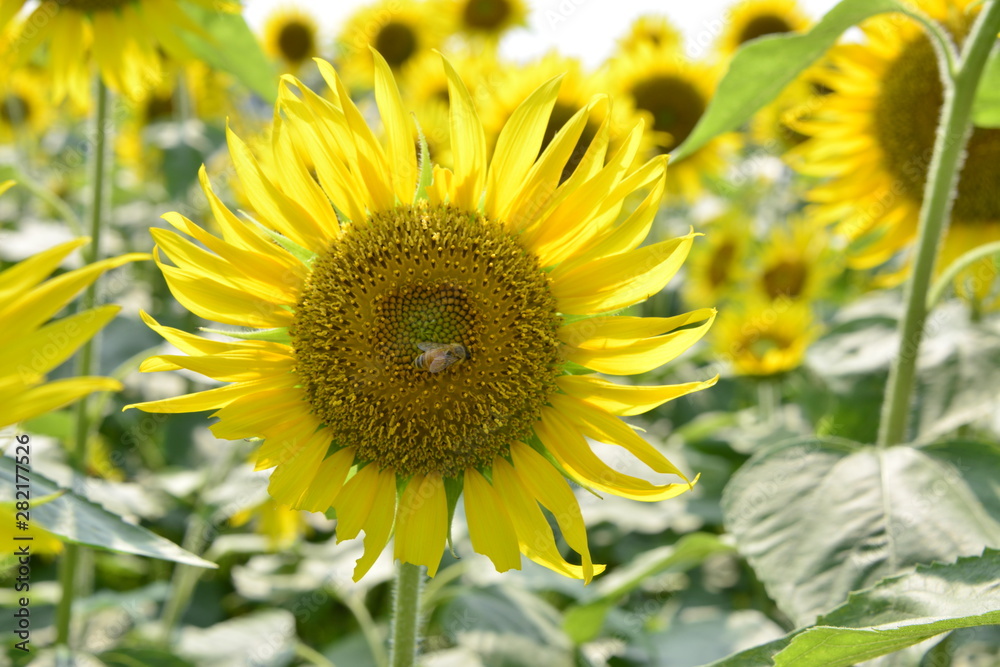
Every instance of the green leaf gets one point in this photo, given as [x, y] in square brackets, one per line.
[584, 622]
[80, 521]
[818, 519]
[762, 68]
[230, 46]
[702, 634]
[895, 613]
[986, 108]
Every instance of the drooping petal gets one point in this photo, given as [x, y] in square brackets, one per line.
[379, 525]
[329, 480]
[422, 522]
[490, 528]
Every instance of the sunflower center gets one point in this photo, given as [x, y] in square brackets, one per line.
[906, 117]
[159, 107]
[396, 42]
[295, 41]
[785, 278]
[675, 104]
[767, 341]
[14, 109]
[765, 24]
[408, 287]
[722, 259]
[485, 14]
[561, 113]
[95, 5]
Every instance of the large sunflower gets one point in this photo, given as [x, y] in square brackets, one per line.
[873, 140]
[414, 348]
[292, 37]
[750, 19]
[30, 347]
[671, 94]
[123, 38]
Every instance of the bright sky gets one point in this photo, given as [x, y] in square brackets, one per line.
[586, 29]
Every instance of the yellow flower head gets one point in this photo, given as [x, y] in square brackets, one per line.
[31, 346]
[764, 337]
[23, 104]
[650, 31]
[779, 127]
[874, 136]
[717, 266]
[750, 19]
[670, 94]
[291, 35]
[486, 19]
[122, 37]
[796, 263]
[415, 323]
[400, 30]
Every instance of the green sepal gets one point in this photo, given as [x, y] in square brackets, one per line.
[426, 168]
[277, 335]
[303, 255]
[453, 491]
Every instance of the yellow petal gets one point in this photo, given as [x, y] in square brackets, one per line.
[468, 144]
[258, 413]
[551, 489]
[517, 147]
[26, 274]
[291, 479]
[295, 180]
[401, 134]
[422, 522]
[209, 399]
[630, 345]
[5, 186]
[354, 502]
[573, 453]
[490, 528]
[598, 425]
[330, 478]
[534, 535]
[54, 343]
[232, 366]
[282, 439]
[378, 527]
[626, 400]
[621, 280]
[51, 396]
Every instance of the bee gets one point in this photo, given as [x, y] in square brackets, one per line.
[438, 356]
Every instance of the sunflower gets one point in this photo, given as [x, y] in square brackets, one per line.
[575, 91]
[23, 105]
[122, 37]
[671, 94]
[760, 337]
[291, 35]
[751, 19]
[411, 340]
[796, 263]
[487, 19]
[30, 348]
[281, 525]
[778, 126]
[650, 31]
[400, 30]
[873, 140]
[717, 266]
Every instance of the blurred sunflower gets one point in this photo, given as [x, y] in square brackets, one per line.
[650, 31]
[874, 138]
[23, 105]
[30, 348]
[751, 19]
[575, 91]
[412, 349]
[718, 266]
[796, 263]
[122, 37]
[487, 19]
[281, 525]
[398, 29]
[291, 35]
[760, 337]
[778, 127]
[672, 94]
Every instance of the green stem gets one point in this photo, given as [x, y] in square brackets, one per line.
[85, 362]
[959, 94]
[406, 615]
[185, 577]
[34, 187]
[768, 399]
[947, 276]
[376, 642]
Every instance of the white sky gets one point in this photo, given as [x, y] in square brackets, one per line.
[586, 29]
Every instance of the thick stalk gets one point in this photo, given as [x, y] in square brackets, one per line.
[85, 361]
[952, 134]
[406, 615]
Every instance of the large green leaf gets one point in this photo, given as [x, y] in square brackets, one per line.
[986, 109]
[762, 68]
[818, 519]
[230, 46]
[896, 613]
[80, 521]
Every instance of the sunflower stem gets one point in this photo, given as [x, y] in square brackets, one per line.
[85, 361]
[949, 145]
[406, 615]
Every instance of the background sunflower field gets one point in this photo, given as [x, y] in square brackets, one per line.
[840, 164]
